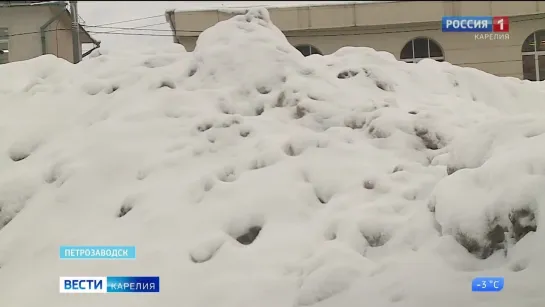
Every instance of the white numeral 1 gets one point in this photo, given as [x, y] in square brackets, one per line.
[500, 22]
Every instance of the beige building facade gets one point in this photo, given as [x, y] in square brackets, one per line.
[409, 30]
[29, 29]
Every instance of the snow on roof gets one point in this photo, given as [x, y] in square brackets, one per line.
[248, 175]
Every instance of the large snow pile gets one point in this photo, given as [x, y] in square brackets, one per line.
[248, 175]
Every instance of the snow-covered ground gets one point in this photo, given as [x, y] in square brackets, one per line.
[370, 182]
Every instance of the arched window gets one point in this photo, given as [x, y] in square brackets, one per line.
[422, 48]
[307, 50]
[533, 56]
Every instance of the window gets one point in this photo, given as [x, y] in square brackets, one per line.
[4, 51]
[307, 50]
[421, 48]
[533, 57]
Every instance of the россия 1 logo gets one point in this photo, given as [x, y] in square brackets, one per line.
[486, 27]
[109, 284]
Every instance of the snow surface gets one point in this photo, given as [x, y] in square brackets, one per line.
[342, 160]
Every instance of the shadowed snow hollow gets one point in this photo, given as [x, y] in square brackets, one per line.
[248, 175]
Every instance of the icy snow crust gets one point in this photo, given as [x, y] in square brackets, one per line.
[248, 175]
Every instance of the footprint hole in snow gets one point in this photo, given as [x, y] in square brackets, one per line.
[5, 220]
[16, 156]
[280, 100]
[93, 89]
[21, 150]
[347, 74]
[430, 140]
[355, 122]
[410, 194]
[438, 228]
[228, 174]
[301, 111]
[124, 210]
[167, 83]
[384, 86]
[519, 266]
[233, 120]
[314, 97]
[249, 236]
[149, 64]
[126, 206]
[432, 202]
[204, 127]
[322, 144]
[259, 110]
[532, 134]
[54, 174]
[201, 259]
[376, 239]
[264, 90]
[111, 89]
[451, 169]
[378, 133]
[142, 174]
[192, 71]
[206, 251]
[7, 216]
[292, 150]
[369, 184]
[397, 168]
[245, 132]
[330, 235]
[208, 185]
[226, 109]
[322, 196]
[330, 232]
[257, 164]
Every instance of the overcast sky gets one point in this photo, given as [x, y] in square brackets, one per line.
[151, 31]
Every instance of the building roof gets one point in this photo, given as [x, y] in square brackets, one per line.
[32, 3]
[82, 30]
[62, 4]
[236, 6]
[368, 15]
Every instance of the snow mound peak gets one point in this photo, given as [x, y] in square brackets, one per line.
[248, 175]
